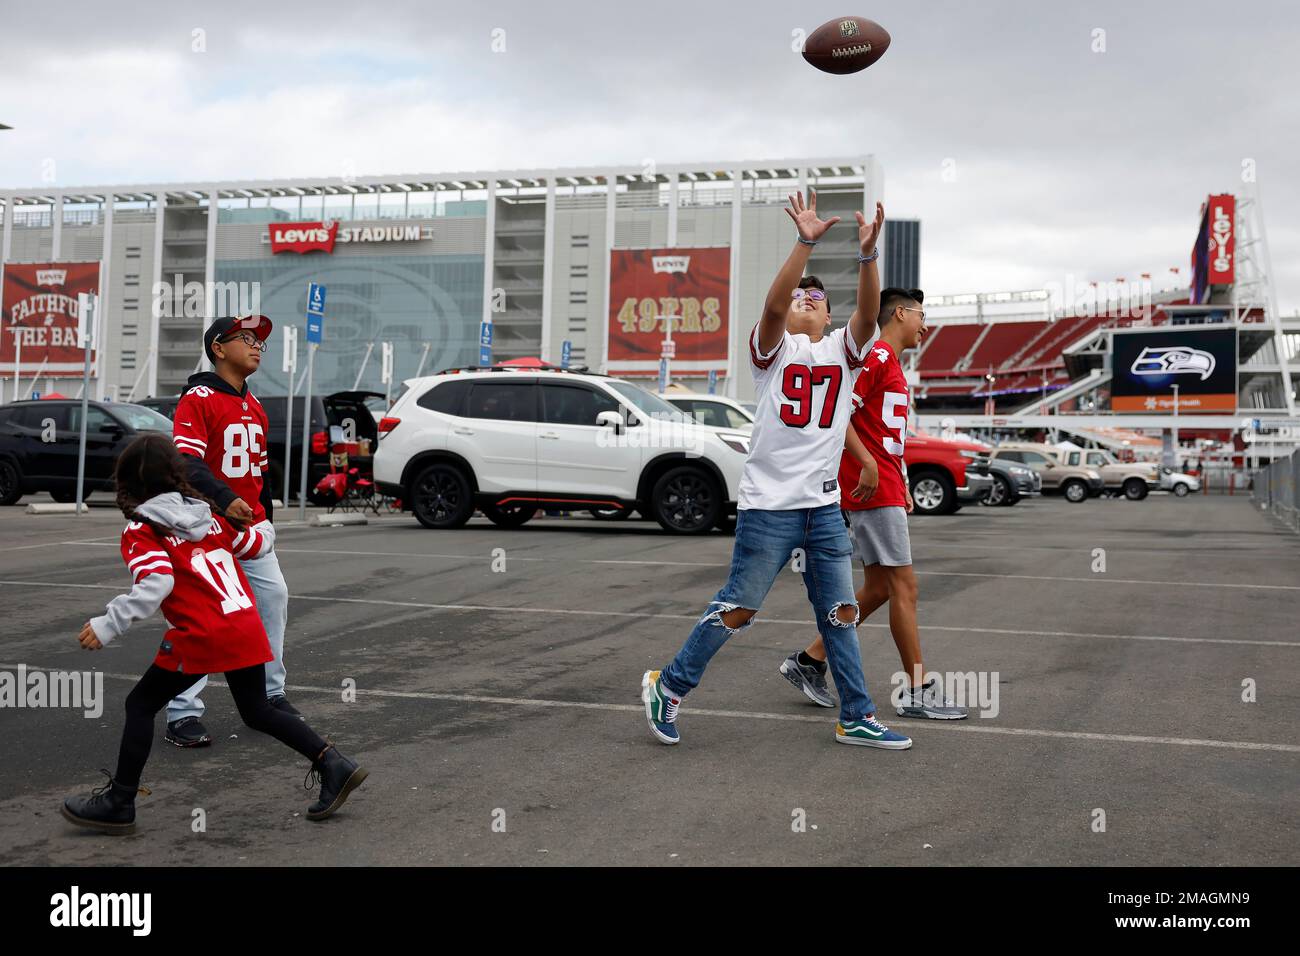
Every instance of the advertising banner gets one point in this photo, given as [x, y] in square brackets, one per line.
[650, 287]
[38, 302]
[1200, 360]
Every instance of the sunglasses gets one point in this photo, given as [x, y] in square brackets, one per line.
[817, 295]
[248, 338]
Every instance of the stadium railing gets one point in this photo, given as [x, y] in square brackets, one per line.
[1277, 490]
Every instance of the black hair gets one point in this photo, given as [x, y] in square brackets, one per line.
[892, 298]
[151, 466]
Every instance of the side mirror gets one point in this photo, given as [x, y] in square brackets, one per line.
[610, 420]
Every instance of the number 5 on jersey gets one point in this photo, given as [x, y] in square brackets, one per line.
[242, 450]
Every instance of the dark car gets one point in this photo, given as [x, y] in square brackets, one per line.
[345, 410]
[1011, 482]
[39, 442]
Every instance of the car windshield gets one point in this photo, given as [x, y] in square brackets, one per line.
[143, 419]
[649, 403]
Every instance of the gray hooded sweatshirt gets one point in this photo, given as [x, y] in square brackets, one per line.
[187, 519]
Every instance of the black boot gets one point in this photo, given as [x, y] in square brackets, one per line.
[110, 808]
[338, 776]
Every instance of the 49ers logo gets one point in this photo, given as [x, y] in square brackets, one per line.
[202, 391]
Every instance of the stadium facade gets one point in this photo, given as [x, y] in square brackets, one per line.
[423, 262]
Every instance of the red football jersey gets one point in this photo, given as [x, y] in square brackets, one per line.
[880, 399]
[229, 434]
[213, 624]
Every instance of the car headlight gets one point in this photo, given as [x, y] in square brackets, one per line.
[1022, 472]
[967, 453]
[738, 443]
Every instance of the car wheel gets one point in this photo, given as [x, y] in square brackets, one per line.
[1135, 489]
[933, 493]
[1075, 490]
[440, 497]
[11, 483]
[1000, 494]
[509, 516]
[686, 500]
[1180, 489]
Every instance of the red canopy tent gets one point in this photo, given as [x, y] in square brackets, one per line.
[527, 362]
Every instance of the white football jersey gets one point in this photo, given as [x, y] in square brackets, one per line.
[804, 393]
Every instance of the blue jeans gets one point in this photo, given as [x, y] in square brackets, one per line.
[271, 598]
[765, 543]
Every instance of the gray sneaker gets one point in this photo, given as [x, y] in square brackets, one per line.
[810, 680]
[928, 703]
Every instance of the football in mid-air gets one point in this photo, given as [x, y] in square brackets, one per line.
[846, 45]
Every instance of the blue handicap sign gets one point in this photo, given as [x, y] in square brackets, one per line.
[315, 298]
[713, 381]
[566, 350]
[315, 311]
[663, 374]
[485, 344]
[35, 395]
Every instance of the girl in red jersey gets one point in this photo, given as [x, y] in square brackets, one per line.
[183, 559]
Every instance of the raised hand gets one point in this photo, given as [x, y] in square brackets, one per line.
[805, 217]
[869, 232]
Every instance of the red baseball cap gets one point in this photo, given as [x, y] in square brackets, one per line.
[259, 325]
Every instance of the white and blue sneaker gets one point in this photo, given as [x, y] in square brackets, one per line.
[870, 732]
[660, 708]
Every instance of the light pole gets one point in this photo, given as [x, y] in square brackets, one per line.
[1175, 426]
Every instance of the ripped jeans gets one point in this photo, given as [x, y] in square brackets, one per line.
[766, 543]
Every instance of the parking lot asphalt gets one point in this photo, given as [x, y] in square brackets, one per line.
[497, 677]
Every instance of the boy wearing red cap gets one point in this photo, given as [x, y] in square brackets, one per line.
[221, 429]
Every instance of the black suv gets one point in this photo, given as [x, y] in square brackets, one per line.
[346, 410]
[39, 442]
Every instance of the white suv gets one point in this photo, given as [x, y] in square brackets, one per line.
[512, 441]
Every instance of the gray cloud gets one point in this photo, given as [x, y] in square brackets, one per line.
[1068, 161]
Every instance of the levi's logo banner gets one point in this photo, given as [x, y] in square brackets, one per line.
[303, 236]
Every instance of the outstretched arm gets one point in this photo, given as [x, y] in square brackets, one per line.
[862, 326]
[772, 326]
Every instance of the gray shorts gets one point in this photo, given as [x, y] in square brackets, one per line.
[879, 536]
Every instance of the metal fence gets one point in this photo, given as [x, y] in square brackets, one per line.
[1277, 489]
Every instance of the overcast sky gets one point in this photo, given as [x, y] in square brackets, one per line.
[1067, 162]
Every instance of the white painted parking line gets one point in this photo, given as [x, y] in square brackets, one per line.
[940, 726]
[646, 615]
[636, 562]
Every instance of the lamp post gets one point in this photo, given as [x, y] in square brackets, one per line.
[1175, 426]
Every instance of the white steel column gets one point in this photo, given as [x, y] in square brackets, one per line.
[210, 272]
[611, 222]
[672, 208]
[548, 270]
[1279, 335]
[489, 250]
[105, 295]
[873, 191]
[155, 291]
[7, 240]
[733, 297]
[56, 220]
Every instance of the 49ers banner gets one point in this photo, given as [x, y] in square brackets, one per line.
[38, 303]
[647, 287]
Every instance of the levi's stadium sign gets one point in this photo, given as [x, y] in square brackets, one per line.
[303, 237]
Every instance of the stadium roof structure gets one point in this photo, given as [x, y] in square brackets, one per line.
[820, 169]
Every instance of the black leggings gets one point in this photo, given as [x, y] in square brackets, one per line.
[247, 686]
